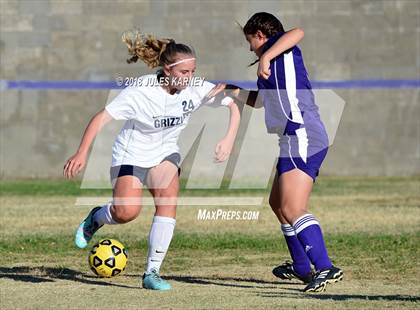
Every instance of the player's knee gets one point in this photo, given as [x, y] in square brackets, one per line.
[123, 214]
[165, 197]
[288, 212]
[291, 212]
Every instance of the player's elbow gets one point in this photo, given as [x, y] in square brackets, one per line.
[300, 33]
[234, 110]
[103, 117]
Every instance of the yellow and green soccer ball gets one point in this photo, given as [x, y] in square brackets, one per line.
[108, 258]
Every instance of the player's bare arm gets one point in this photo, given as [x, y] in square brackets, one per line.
[224, 147]
[285, 42]
[78, 161]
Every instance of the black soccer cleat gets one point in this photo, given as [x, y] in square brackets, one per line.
[322, 278]
[286, 272]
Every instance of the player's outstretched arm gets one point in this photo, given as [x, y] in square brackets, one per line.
[78, 161]
[248, 97]
[224, 147]
[285, 42]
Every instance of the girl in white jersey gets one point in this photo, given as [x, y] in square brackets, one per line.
[145, 152]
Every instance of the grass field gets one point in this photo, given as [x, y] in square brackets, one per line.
[371, 225]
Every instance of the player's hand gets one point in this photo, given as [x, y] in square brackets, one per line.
[215, 91]
[264, 68]
[74, 165]
[223, 150]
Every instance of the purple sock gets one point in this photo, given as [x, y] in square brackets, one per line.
[301, 263]
[310, 236]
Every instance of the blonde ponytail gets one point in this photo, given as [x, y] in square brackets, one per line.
[144, 47]
[152, 51]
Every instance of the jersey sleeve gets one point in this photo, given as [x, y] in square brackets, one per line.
[218, 100]
[123, 106]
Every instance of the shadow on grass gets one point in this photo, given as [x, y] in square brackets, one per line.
[341, 297]
[47, 274]
[225, 281]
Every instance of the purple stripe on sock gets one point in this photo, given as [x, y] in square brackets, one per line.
[288, 229]
[303, 221]
[304, 218]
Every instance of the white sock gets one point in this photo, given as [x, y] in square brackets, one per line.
[160, 237]
[103, 215]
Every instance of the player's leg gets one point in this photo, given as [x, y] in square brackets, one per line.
[163, 183]
[301, 266]
[126, 205]
[295, 187]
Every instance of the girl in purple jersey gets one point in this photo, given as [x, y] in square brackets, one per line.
[291, 112]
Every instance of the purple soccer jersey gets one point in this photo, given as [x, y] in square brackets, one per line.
[291, 112]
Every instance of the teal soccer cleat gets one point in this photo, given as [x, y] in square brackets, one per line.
[153, 281]
[86, 230]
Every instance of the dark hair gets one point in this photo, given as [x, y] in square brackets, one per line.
[267, 23]
[152, 51]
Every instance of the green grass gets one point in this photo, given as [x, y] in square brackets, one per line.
[323, 186]
[395, 253]
[353, 243]
[42, 187]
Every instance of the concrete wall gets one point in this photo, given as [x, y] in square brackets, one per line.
[80, 40]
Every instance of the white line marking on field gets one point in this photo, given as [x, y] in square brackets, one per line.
[182, 201]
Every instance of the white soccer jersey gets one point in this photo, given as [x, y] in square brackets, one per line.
[155, 120]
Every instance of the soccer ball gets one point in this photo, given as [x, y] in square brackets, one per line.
[108, 258]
